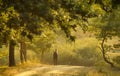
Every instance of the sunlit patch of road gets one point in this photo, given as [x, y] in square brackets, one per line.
[59, 70]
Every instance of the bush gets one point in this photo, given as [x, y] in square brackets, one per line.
[117, 60]
[88, 53]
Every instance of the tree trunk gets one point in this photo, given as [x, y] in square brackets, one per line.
[42, 55]
[23, 52]
[21, 56]
[11, 53]
[103, 52]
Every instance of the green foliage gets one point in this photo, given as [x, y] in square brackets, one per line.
[107, 29]
[115, 3]
[88, 53]
[116, 45]
[28, 14]
[108, 25]
[117, 59]
[42, 44]
[3, 56]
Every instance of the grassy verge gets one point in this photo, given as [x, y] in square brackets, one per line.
[11, 71]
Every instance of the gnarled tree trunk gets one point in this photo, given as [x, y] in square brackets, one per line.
[104, 53]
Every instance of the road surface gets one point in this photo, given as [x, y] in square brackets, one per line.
[59, 70]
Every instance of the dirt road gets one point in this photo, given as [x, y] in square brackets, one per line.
[59, 70]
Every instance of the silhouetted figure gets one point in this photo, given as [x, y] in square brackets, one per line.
[55, 57]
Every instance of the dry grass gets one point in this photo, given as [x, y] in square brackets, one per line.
[94, 73]
[11, 71]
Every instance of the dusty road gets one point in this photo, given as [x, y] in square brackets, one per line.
[59, 70]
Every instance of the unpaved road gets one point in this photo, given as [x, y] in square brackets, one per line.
[59, 70]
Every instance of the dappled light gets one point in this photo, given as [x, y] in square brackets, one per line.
[59, 70]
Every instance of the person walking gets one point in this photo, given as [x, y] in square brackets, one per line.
[55, 57]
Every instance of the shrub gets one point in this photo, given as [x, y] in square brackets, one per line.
[117, 60]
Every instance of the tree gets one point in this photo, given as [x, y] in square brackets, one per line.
[12, 28]
[23, 51]
[8, 32]
[106, 28]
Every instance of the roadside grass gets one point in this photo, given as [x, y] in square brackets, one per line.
[107, 72]
[11, 71]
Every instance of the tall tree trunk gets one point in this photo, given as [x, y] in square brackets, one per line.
[21, 56]
[11, 53]
[23, 52]
[42, 55]
[104, 53]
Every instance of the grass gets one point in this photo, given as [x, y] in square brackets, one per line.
[11, 71]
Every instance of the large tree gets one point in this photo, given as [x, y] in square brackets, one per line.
[106, 28]
[14, 25]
